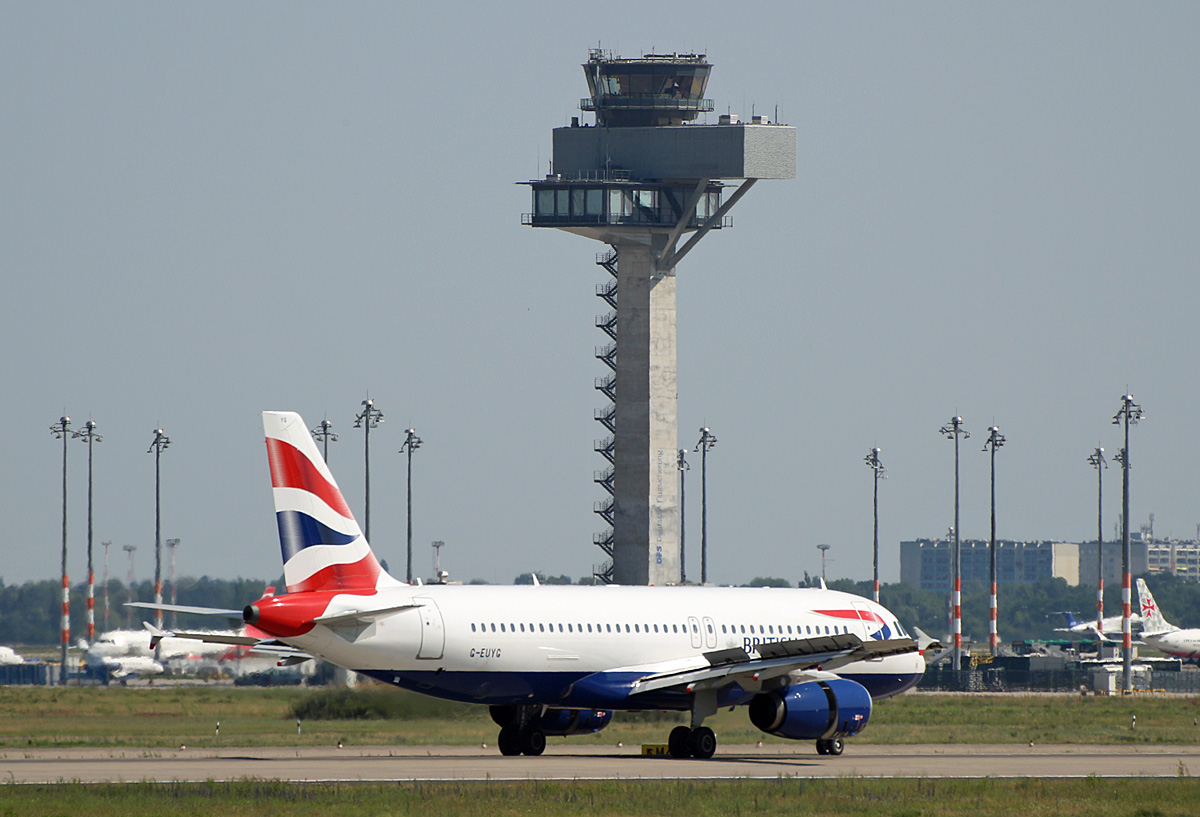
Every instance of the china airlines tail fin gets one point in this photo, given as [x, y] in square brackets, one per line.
[1153, 622]
[323, 547]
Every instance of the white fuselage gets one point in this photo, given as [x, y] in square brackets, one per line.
[1179, 643]
[584, 646]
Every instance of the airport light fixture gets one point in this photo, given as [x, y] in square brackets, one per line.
[824, 549]
[1129, 414]
[954, 430]
[1097, 461]
[879, 472]
[995, 440]
[411, 443]
[707, 441]
[88, 435]
[323, 433]
[61, 431]
[369, 418]
[159, 445]
[682, 464]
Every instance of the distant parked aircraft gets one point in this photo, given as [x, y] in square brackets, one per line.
[1160, 634]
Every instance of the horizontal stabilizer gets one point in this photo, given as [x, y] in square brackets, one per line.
[180, 608]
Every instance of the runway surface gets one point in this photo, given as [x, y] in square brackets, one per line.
[382, 763]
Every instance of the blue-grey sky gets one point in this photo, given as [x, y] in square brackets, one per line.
[211, 209]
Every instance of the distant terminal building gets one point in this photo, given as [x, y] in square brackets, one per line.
[1181, 557]
[925, 563]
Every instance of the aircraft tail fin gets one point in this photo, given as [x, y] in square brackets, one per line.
[1153, 622]
[322, 545]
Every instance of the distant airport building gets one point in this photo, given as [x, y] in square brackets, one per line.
[1139, 561]
[925, 563]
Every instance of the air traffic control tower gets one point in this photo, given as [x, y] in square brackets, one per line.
[649, 182]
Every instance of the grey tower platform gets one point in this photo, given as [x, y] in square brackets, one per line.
[640, 180]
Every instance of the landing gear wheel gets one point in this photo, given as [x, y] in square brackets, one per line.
[679, 744]
[509, 741]
[822, 746]
[532, 741]
[836, 746]
[704, 742]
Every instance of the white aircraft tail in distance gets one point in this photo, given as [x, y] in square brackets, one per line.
[1111, 625]
[559, 660]
[1160, 634]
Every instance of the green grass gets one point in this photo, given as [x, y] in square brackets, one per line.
[1090, 797]
[163, 716]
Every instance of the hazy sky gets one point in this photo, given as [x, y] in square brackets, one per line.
[212, 209]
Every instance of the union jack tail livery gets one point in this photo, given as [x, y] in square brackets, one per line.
[323, 547]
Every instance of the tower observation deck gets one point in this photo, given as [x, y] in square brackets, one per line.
[640, 179]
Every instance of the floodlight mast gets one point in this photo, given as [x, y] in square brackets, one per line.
[61, 431]
[707, 441]
[1129, 414]
[1097, 461]
[88, 435]
[954, 430]
[879, 472]
[160, 444]
[369, 418]
[326, 435]
[995, 440]
[682, 464]
[411, 443]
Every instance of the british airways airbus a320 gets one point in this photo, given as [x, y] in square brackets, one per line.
[558, 660]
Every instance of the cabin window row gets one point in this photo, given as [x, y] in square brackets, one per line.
[579, 628]
[734, 629]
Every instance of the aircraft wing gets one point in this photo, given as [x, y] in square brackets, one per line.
[735, 666]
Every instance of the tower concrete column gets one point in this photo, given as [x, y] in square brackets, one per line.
[646, 483]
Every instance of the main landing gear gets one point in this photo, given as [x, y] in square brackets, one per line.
[700, 742]
[520, 731]
[830, 746]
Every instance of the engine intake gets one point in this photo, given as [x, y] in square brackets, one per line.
[813, 711]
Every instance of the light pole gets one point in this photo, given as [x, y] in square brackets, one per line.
[1097, 461]
[322, 432]
[160, 444]
[995, 440]
[954, 430]
[171, 545]
[824, 549]
[707, 441]
[1129, 414]
[129, 549]
[872, 461]
[106, 546]
[89, 436]
[411, 443]
[683, 467]
[61, 430]
[367, 420]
